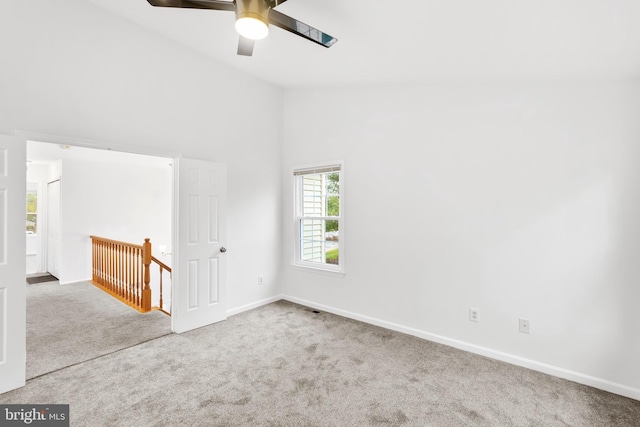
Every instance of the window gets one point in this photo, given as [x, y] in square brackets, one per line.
[319, 218]
[32, 208]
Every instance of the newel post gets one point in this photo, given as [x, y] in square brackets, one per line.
[146, 261]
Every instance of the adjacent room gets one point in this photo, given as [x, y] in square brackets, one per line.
[77, 196]
[383, 214]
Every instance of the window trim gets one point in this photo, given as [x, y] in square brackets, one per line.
[296, 172]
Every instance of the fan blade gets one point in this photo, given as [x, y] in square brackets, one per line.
[245, 46]
[195, 4]
[300, 28]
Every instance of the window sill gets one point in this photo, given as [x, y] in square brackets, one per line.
[318, 270]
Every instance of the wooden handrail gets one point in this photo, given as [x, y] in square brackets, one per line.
[122, 270]
[162, 266]
[105, 240]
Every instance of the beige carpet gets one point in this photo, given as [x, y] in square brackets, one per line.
[283, 365]
[69, 324]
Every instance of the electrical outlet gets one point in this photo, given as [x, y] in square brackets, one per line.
[524, 325]
[260, 281]
[474, 314]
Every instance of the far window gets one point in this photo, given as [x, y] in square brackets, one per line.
[32, 208]
[318, 210]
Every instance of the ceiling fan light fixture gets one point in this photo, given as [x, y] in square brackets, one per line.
[252, 28]
[252, 19]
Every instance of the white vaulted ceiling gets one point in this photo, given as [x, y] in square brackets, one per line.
[418, 41]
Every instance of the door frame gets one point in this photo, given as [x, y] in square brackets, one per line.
[47, 241]
[99, 145]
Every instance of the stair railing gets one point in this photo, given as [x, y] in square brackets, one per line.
[162, 267]
[123, 270]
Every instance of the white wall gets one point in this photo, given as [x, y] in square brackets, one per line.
[113, 201]
[72, 69]
[520, 200]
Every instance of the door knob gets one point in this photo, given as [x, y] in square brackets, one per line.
[223, 249]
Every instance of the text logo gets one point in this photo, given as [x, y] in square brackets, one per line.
[34, 415]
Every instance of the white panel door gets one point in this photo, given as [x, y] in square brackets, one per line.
[54, 234]
[199, 283]
[13, 322]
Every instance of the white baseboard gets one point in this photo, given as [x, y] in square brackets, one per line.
[599, 383]
[251, 306]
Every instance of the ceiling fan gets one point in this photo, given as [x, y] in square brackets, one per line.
[252, 20]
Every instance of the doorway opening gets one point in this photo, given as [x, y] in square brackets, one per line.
[83, 191]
